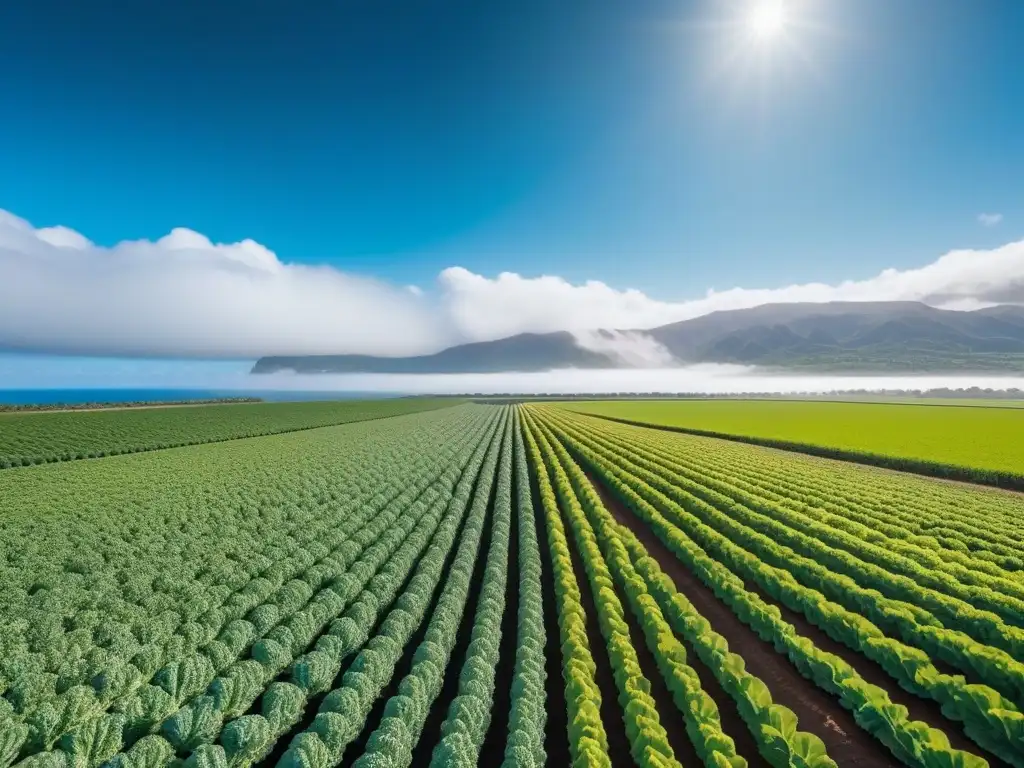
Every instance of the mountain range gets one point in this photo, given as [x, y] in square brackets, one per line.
[838, 336]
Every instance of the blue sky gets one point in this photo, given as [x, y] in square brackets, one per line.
[312, 161]
[589, 140]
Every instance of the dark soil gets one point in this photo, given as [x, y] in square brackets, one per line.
[556, 730]
[358, 746]
[818, 712]
[492, 751]
[611, 710]
[889, 628]
[668, 713]
[925, 710]
[431, 733]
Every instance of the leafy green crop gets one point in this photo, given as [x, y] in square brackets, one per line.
[692, 526]
[968, 443]
[182, 583]
[345, 594]
[37, 438]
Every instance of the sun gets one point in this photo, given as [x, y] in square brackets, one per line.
[767, 19]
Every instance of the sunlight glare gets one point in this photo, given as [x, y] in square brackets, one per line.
[767, 19]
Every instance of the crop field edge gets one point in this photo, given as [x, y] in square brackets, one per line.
[435, 404]
[988, 477]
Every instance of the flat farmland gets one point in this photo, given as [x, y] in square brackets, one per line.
[35, 438]
[965, 442]
[504, 585]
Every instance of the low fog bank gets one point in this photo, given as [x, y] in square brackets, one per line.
[708, 378]
[19, 371]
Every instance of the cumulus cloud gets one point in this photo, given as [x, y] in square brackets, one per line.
[510, 303]
[183, 295]
[989, 219]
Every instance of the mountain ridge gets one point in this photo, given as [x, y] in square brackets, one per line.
[855, 336]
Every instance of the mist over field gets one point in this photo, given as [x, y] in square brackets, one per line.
[43, 371]
[709, 378]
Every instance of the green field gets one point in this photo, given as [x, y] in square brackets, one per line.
[514, 586]
[36, 438]
[986, 442]
[961, 402]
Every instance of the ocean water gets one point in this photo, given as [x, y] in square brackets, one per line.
[114, 395]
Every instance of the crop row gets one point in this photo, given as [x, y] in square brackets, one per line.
[722, 530]
[909, 620]
[343, 714]
[978, 530]
[255, 599]
[664, 615]
[38, 438]
[909, 438]
[527, 715]
[121, 693]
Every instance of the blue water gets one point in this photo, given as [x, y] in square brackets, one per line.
[74, 396]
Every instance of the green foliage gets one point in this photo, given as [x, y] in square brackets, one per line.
[588, 740]
[985, 722]
[150, 752]
[527, 715]
[12, 737]
[406, 712]
[207, 756]
[469, 715]
[649, 742]
[344, 709]
[969, 443]
[246, 740]
[199, 607]
[164, 583]
[38, 438]
[195, 725]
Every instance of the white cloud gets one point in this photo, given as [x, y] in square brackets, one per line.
[183, 295]
[509, 303]
[989, 219]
